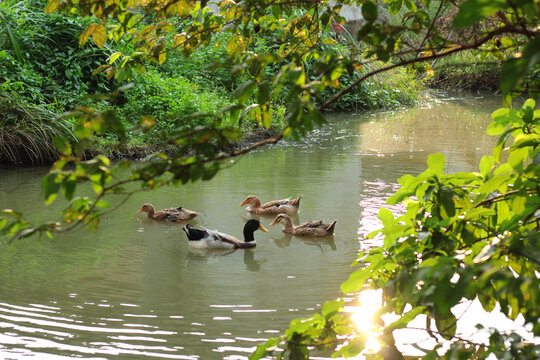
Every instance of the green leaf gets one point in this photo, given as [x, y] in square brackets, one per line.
[262, 350]
[276, 11]
[62, 144]
[487, 300]
[244, 91]
[446, 326]
[355, 281]
[68, 187]
[486, 165]
[529, 104]
[336, 73]
[386, 216]
[332, 307]
[525, 140]
[263, 94]
[369, 11]
[352, 348]
[114, 57]
[496, 183]
[50, 187]
[472, 11]
[517, 158]
[96, 180]
[447, 200]
[394, 6]
[196, 171]
[436, 163]
[410, 5]
[405, 319]
[518, 204]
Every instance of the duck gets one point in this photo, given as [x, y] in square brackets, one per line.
[314, 228]
[284, 206]
[177, 214]
[213, 239]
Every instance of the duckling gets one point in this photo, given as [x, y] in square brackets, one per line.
[173, 214]
[284, 206]
[213, 239]
[310, 228]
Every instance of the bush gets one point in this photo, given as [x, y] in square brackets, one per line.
[206, 67]
[43, 61]
[170, 100]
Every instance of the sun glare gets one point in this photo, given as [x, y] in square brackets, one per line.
[369, 301]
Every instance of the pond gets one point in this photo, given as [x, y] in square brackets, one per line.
[135, 290]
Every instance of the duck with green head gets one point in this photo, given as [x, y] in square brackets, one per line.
[213, 239]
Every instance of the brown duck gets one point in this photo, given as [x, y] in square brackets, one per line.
[284, 206]
[314, 228]
[173, 214]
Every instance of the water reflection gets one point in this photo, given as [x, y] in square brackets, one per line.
[323, 244]
[251, 263]
[284, 241]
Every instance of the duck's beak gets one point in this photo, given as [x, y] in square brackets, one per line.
[262, 228]
[140, 211]
[274, 222]
[244, 203]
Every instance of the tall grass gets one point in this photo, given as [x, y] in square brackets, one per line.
[27, 131]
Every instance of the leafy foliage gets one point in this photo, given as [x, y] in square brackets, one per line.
[463, 237]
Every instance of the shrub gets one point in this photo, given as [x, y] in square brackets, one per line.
[170, 100]
[43, 61]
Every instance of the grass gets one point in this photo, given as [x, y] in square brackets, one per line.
[27, 131]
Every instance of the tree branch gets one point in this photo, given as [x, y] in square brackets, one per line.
[452, 50]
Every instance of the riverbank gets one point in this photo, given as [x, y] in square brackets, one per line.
[142, 151]
[452, 75]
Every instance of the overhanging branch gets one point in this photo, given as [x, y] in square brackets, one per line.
[449, 51]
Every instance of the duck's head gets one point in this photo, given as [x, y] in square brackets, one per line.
[252, 200]
[253, 225]
[147, 208]
[281, 217]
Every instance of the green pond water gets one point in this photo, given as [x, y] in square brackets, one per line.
[135, 290]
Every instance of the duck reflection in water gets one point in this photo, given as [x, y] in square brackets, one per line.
[284, 241]
[214, 255]
[251, 263]
[322, 243]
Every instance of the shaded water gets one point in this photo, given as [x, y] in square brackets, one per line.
[135, 290]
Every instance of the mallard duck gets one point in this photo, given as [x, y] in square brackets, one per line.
[173, 214]
[310, 228]
[284, 206]
[213, 239]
